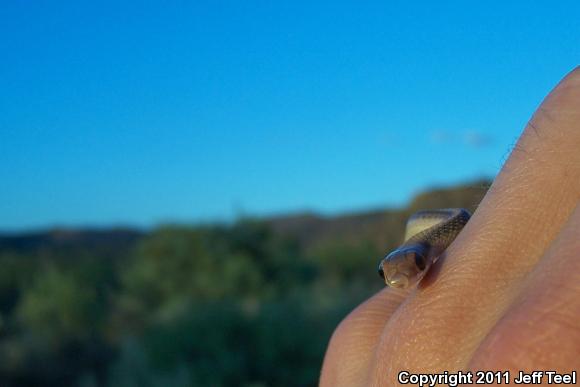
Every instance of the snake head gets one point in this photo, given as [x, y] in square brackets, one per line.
[405, 266]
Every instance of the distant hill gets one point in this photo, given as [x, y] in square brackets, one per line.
[309, 229]
[108, 240]
[376, 226]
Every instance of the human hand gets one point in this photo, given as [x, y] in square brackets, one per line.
[506, 296]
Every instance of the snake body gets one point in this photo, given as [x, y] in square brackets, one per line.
[427, 235]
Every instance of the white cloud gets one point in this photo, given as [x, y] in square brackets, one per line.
[477, 139]
[471, 138]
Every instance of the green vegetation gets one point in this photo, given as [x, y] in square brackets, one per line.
[249, 304]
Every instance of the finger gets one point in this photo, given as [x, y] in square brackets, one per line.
[439, 326]
[353, 343]
[542, 330]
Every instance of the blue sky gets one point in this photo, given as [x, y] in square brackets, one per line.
[146, 112]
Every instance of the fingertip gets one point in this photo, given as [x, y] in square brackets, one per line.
[574, 75]
[568, 87]
[556, 122]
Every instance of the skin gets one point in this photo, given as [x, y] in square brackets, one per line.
[506, 294]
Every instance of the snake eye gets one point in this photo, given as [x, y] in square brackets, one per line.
[420, 262]
[380, 270]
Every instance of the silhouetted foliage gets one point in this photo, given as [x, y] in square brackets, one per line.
[249, 304]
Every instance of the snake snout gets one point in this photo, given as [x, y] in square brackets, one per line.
[404, 266]
[398, 280]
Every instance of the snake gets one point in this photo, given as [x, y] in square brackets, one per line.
[428, 233]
